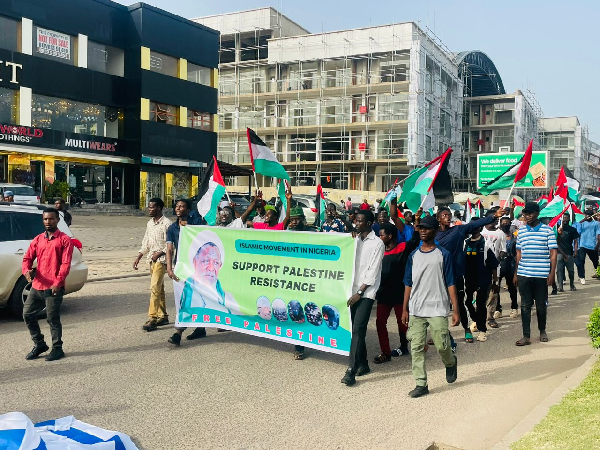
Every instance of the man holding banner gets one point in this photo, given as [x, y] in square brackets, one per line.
[367, 277]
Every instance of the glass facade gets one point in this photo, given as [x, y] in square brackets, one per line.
[200, 120]
[76, 117]
[9, 106]
[198, 74]
[106, 59]
[159, 112]
[165, 64]
[9, 34]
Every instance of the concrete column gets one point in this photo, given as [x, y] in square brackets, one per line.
[25, 106]
[82, 51]
[26, 36]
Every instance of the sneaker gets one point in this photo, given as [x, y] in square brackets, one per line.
[482, 337]
[498, 315]
[573, 288]
[162, 321]
[400, 351]
[595, 276]
[582, 280]
[363, 370]
[514, 313]
[197, 334]
[150, 325]
[473, 327]
[419, 391]
[348, 378]
[175, 339]
[56, 353]
[452, 372]
[37, 350]
[454, 345]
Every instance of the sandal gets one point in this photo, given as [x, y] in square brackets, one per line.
[430, 341]
[523, 341]
[543, 337]
[493, 324]
[298, 356]
[382, 358]
[468, 337]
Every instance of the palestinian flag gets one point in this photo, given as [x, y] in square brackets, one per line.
[263, 161]
[566, 178]
[321, 207]
[576, 213]
[212, 190]
[513, 175]
[558, 217]
[478, 209]
[429, 185]
[557, 205]
[469, 211]
[518, 207]
[281, 188]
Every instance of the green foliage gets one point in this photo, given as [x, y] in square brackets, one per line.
[58, 189]
[593, 326]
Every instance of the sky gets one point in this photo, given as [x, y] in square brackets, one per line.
[548, 47]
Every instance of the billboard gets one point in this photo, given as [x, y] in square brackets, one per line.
[492, 165]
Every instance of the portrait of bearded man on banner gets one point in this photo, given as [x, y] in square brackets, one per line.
[203, 288]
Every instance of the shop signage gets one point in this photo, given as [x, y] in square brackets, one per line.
[17, 134]
[41, 137]
[53, 43]
[13, 71]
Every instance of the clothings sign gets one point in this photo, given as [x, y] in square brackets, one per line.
[283, 285]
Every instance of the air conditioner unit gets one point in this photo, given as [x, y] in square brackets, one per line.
[504, 149]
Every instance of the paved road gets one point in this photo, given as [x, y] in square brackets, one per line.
[234, 391]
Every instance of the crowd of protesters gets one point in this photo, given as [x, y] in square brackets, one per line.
[423, 267]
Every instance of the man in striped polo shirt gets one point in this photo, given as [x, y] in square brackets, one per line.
[536, 266]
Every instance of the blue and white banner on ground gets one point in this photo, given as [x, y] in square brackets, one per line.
[17, 432]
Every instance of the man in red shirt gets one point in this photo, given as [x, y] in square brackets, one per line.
[53, 250]
[271, 216]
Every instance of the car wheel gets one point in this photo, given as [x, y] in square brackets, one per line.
[19, 296]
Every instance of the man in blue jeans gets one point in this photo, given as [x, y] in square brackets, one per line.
[536, 266]
[589, 242]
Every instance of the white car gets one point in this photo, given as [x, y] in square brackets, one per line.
[19, 224]
[21, 192]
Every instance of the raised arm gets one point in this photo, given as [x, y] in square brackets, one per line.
[257, 196]
[394, 215]
[288, 197]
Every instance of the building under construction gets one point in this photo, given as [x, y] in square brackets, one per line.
[352, 109]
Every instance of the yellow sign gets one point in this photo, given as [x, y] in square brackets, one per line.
[19, 160]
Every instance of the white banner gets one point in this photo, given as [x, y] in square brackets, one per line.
[53, 43]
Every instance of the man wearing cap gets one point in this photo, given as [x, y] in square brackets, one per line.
[9, 196]
[429, 289]
[589, 242]
[260, 212]
[536, 267]
[227, 214]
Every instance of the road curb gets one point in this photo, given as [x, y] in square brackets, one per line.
[541, 410]
[118, 277]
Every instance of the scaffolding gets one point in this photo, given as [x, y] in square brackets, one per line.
[354, 109]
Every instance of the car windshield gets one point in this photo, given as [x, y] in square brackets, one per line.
[21, 190]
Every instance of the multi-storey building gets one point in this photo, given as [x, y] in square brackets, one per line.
[568, 145]
[352, 109]
[119, 102]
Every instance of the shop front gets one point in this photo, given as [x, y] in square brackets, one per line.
[89, 168]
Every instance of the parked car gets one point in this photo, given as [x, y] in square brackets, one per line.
[309, 207]
[21, 192]
[241, 202]
[20, 223]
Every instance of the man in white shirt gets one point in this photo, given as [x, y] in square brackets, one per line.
[495, 239]
[367, 277]
[227, 214]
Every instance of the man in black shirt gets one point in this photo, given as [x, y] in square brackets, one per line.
[61, 206]
[567, 250]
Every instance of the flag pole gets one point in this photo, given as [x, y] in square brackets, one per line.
[507, 204]
[255, 182]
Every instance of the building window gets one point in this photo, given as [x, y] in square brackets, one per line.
[9, 106]
[53, 45]
[199, 120]
[106, 59]
[8, 34]
[167, 65]
[198, 74]
[76, 117]
[159, 112]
